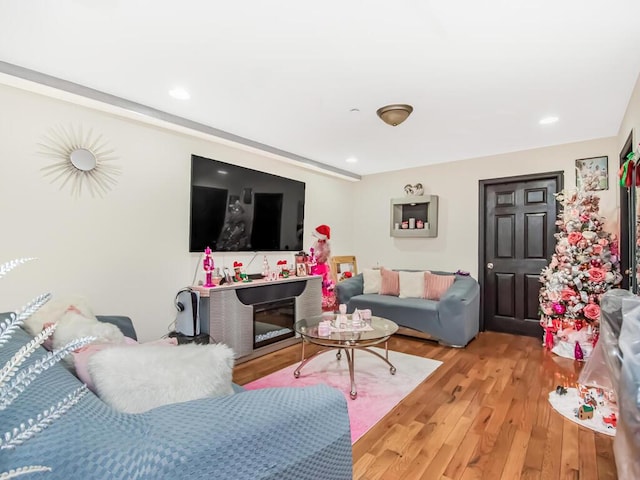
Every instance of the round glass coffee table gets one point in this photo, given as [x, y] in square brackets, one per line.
[343, 338]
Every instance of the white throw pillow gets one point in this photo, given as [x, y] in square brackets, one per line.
[372, 280]
[411, 284]
[134, 380]
[73, 325]
[54, 310]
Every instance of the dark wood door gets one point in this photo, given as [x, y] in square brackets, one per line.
[625, 220]
[517, 241]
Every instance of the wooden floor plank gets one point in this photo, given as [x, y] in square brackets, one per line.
[587, 457]
[514, 464]
[605, 459]
[483, 414]
[570, 462]
[553, 448]
[461, 457]
[532, 467]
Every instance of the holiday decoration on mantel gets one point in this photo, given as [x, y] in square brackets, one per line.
[283, 270]
[239, 274]
[208, 265]
[583, 267]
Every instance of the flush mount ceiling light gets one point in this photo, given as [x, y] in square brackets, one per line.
[548, 120]
[394, 114]
[179, 93]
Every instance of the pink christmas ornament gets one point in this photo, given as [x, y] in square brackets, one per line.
[558, 308]
[578, 352]
[548, 338]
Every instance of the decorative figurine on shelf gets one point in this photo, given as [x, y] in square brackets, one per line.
[416, 189]
[320, 254]
[560, 390]
[237, 269]
[302, 260]
[208, 266]
[265, 267]
[311, 262]
[227, 275]
[282, 268]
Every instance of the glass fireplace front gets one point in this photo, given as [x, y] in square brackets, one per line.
[273, 321]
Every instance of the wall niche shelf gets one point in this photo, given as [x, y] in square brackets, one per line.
[418, 207]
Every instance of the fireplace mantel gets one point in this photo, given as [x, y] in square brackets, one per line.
[226, 311]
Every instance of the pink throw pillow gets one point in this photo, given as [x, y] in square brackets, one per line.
[390, 282]
[436, 285]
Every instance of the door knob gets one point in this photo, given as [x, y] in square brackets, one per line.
[490, 266]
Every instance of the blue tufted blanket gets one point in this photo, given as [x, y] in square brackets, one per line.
[283, 433]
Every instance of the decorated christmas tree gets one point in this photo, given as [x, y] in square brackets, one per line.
[583, 267]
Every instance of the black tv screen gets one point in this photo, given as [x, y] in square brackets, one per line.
[239, 209]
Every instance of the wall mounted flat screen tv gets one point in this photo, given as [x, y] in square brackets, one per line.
[236, 209]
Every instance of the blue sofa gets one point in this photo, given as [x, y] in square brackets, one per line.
[453, 320]
[279, 433]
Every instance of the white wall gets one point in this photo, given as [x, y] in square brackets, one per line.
[127, 252]
[456, 184]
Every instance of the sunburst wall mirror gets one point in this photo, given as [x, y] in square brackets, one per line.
[81, 160]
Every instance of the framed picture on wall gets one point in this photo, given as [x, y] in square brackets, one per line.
[343, 267]
[592, 174]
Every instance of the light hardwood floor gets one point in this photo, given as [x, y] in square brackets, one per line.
[483, 414]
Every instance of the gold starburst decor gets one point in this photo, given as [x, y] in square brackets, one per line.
[81, 160]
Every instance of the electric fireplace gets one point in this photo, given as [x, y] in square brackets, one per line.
[256, 318]
[273, 321]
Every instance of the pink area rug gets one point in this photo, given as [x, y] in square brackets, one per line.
[378, 390]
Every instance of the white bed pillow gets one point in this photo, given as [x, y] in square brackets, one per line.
[372, 280]
[411, 284]
[134, 380]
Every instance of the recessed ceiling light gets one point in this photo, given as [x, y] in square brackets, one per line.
[548, 120]
[352, 160]
[179, 93]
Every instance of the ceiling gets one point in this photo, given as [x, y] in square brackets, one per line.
[306, 78]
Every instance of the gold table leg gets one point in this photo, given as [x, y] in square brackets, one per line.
[350, 353]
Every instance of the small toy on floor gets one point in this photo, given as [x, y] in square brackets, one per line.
[560, 390]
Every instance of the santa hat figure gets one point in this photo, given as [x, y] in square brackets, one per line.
[322, 232]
